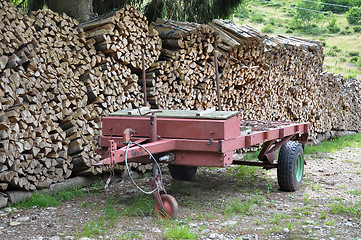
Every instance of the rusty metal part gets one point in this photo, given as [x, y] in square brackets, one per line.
[217, 81]
[127, 134]
[144, 81]
[170, 207]
[268, 154]
[156, 183]
[153, 128]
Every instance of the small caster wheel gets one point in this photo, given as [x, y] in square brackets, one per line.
[170, 207]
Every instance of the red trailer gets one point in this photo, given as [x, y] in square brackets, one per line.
[186, 139]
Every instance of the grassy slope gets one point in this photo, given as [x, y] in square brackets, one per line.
[346, 43]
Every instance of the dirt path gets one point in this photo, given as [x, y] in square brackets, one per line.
[229, 203]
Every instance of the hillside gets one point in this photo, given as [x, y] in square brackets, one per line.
[342, 48]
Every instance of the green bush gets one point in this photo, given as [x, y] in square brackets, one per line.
[357, 29]
[358, 63]
[342, 59]
[344, 32]
[289, 31]
[272, 21]
[335, 8]
[290, 13]
[354, 59]
[336, 49]
[353, 16]
[314, 30]
[256, 17]
[242, 11]
[332, 27]
[331, 53]
[268, 29]
[354, 53]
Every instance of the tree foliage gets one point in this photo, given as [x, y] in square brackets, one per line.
[201, 11]
[353, 16]
[337, 9]
[303, 13]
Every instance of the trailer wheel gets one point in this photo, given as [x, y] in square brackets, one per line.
[182, 173]
[290, 166]
[170, 207]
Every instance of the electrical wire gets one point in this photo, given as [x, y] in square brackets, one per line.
[307, 9]
[331, 4]
[130, 175]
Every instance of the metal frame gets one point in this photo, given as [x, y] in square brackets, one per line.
[211, 142]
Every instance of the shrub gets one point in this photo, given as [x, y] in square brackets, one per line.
[332, 27]
[353, 16]
[272, 21]
[314, 30]
[358, 63]
[289, 31]
[256, 17]
[344, 32]
[354, 53]
[357, 29]
[336, 49]
[267, 29]
[342, 59]
[331, 53]
[354, 59]
[242, 11]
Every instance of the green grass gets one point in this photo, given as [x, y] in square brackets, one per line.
[98, 226]
[113, 211]
[335, 144]
[175, 232]
[243, 206]
[54, 200]
[276, 219]
[38, 200]
[348, 209]
[242, 171]
[251, 155]
[355, 192]
[140, 205]
[132, 235]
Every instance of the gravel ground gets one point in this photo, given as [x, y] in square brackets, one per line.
[328, 206]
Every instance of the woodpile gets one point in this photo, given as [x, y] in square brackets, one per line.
[184, 77]
[266, 78]
[125, 36]
[55, 87]
[341, 103]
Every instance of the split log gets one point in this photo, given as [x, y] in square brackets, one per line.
[125, 36]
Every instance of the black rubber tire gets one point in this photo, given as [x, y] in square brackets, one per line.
[182, 173]
[290, 175]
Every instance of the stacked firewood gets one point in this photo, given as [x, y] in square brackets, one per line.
[125, 36]
[272, 78]
[341, 103]
[265, 78]
[185, 74]
[54, 89]
[33, 145]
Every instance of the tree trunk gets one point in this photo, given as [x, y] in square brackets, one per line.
[81, 10]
